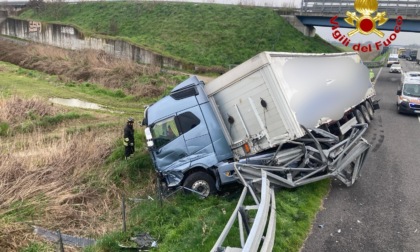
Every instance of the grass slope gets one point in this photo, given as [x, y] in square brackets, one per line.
[204, 34]
[70, 174]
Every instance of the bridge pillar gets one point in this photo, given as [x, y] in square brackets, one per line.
[307, 30]
[3, 16]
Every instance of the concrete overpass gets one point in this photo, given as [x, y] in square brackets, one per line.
[319, 13]
[313, 13]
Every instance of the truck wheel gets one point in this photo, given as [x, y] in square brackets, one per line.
[365, 113]
[369, 109]
[359, 116]
[200, 182]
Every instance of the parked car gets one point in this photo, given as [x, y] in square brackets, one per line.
[395, 68]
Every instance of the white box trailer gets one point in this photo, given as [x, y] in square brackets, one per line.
[264, 101]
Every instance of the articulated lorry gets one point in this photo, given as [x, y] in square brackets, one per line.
[298, 116]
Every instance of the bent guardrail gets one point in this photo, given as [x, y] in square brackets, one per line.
[343, 160]
[262, 233]
[320, 157]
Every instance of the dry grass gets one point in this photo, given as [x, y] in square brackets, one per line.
[58, 181]
[53, 175]
[88, 66]
[15, 109]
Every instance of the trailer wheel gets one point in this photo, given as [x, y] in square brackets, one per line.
[365, 113]
[369, 109]
[200, 182]
[359, 116]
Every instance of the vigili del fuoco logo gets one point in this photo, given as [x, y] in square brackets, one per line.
[365, 24]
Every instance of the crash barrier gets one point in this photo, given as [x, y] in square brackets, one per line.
[400, 7]
[259, 237]
[294, 167]
[343, 160]
[63, 239]
[374, 64]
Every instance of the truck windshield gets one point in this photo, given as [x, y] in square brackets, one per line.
[167, 130]
[164, 132]
[412, 90]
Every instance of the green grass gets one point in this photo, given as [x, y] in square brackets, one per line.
[25, 210]
[187, 223]
[4, 129]
[204, 34]
[29, 83]
[182, 223]
[37, 247]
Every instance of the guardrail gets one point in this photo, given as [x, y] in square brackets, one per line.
[374, 64]
[406, 8]
[262, 233]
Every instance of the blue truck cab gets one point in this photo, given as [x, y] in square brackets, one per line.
[185, 140]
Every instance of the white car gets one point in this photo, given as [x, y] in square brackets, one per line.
[395, 68]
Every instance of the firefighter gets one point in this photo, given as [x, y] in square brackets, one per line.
[129, 138]
[371, 75]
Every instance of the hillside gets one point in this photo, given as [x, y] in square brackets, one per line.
[62, 167]
[204, 34]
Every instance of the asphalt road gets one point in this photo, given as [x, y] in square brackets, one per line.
[381, 211]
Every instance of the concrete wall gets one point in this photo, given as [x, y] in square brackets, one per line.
[3, 16]
[309, 31]
[70, 38]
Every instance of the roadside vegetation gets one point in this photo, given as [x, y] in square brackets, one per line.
[203, 34]
[62, 167]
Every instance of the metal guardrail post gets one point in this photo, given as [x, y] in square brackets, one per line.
[262, 232]
[60, 242]
[124, 227]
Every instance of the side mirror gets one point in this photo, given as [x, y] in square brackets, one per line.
[399, 92]
[149, 137]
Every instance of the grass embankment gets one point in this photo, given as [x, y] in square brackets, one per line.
[68, 174]
[203, 34]
[62, 168]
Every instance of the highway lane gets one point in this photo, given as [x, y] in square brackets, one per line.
[381, 212]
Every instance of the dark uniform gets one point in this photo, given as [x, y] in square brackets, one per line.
[129, 138]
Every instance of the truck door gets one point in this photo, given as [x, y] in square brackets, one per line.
[196, 135]
[170, 149]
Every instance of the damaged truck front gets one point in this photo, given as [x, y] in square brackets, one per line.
[298, 116]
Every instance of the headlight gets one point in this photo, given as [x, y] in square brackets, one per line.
[405, 100]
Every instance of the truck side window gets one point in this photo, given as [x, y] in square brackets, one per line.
[164, 132]
[187, 121]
